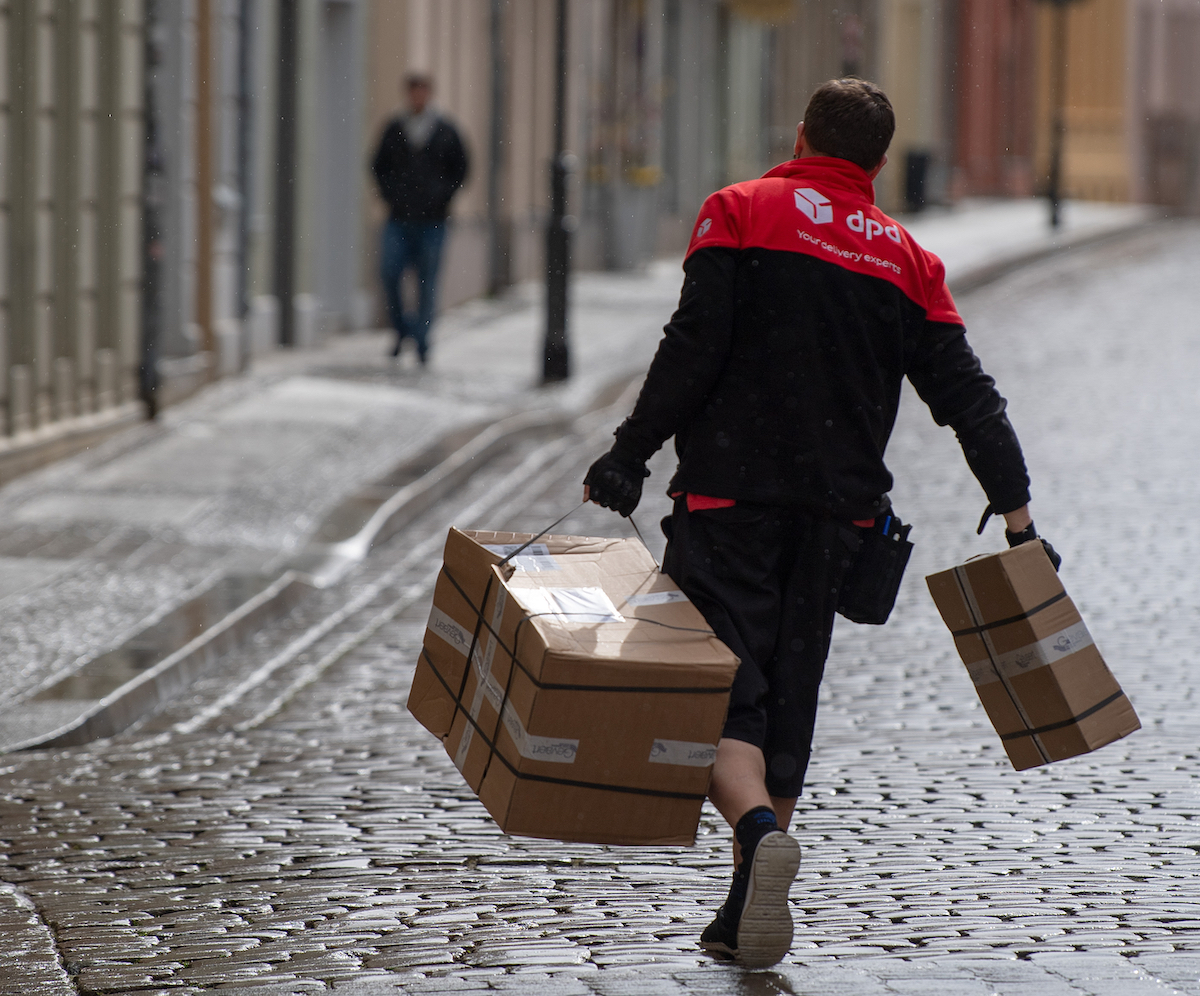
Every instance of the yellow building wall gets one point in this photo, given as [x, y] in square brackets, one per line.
[909, 66]
[1097, 153]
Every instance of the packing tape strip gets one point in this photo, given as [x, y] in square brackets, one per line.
[530, 745]
[568, 782]
[1049, 650]
[537, 748]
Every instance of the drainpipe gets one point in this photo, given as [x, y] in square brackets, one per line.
[153, 184]
[285, 173]
[246, 25]
[498, 266]
[205, 182]
[556, 361]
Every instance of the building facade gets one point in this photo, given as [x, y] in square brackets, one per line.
[185, 185]
[70, 223]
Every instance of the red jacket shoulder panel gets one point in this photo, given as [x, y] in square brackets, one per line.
[824, 207]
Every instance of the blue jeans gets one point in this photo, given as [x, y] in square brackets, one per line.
[416, 244]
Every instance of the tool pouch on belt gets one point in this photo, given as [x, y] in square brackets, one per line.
[873, 580]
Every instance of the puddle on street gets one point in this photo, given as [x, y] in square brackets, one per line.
[110, 671]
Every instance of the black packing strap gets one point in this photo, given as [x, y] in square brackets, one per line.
[570, 782]
[534, 539]
[1063, 723]
[970, 630]
[512, 670]
[479, 623]
[1012, 695]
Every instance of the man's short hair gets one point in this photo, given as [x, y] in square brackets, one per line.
[419, 79]
[850, 119]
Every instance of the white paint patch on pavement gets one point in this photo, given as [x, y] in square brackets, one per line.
[321, 400]
[133, 510]
[21, 574]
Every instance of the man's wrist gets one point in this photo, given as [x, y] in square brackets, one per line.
[1019, 536]
[1018, 520]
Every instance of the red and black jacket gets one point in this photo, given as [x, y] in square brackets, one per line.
[803, 308]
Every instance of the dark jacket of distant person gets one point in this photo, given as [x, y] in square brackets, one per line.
[417, 183]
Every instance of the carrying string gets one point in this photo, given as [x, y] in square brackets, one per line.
[569, 512]
[530, 542]
[644, 543]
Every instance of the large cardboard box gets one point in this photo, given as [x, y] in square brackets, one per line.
[595, 693]
[1038, 673]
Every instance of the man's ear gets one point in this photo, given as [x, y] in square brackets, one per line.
[798, 148]
[875, 172]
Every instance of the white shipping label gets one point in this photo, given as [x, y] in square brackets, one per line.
[1032, 656]
[508, 549]
[537, 748]
[535, 564]
[457, 636]
[569, 605]
[656, 598]
[694, 755]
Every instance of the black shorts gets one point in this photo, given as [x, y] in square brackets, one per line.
[766, 579]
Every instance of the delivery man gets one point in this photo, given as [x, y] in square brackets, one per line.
[803, 308]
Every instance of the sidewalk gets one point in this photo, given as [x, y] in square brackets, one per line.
[237, 480]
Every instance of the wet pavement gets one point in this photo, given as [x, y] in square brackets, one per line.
[240, 479]
[287, 827]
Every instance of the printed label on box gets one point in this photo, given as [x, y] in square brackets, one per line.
[694, 755]
[535, 564]
[457, 636]
[537, 748]
[508, 549]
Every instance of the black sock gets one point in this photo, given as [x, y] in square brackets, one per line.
[750, 829]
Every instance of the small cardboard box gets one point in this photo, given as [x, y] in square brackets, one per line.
[1040, 677]
[595, 693]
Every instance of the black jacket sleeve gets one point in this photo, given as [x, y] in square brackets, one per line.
[947, 375]
[689, 359]
[386, 166]
[455, 162]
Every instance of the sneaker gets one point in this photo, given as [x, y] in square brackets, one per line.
[720, 937]
[764, 933]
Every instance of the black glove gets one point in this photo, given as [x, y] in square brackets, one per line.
[1029, 534]
[616, 483]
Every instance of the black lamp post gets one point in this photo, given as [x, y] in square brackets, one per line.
[1058, 88]
[555, 361]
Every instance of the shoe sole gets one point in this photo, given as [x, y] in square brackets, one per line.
[719, 948]
[765, 929]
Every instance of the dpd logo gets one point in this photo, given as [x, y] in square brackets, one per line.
[703, 227]
[815, 205]
[858, 222]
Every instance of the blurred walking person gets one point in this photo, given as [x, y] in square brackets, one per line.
[420, 164]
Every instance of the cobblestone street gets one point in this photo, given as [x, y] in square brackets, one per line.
[287, 827]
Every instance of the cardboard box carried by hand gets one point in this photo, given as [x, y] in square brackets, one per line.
[1036, 669]
[595, 695]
